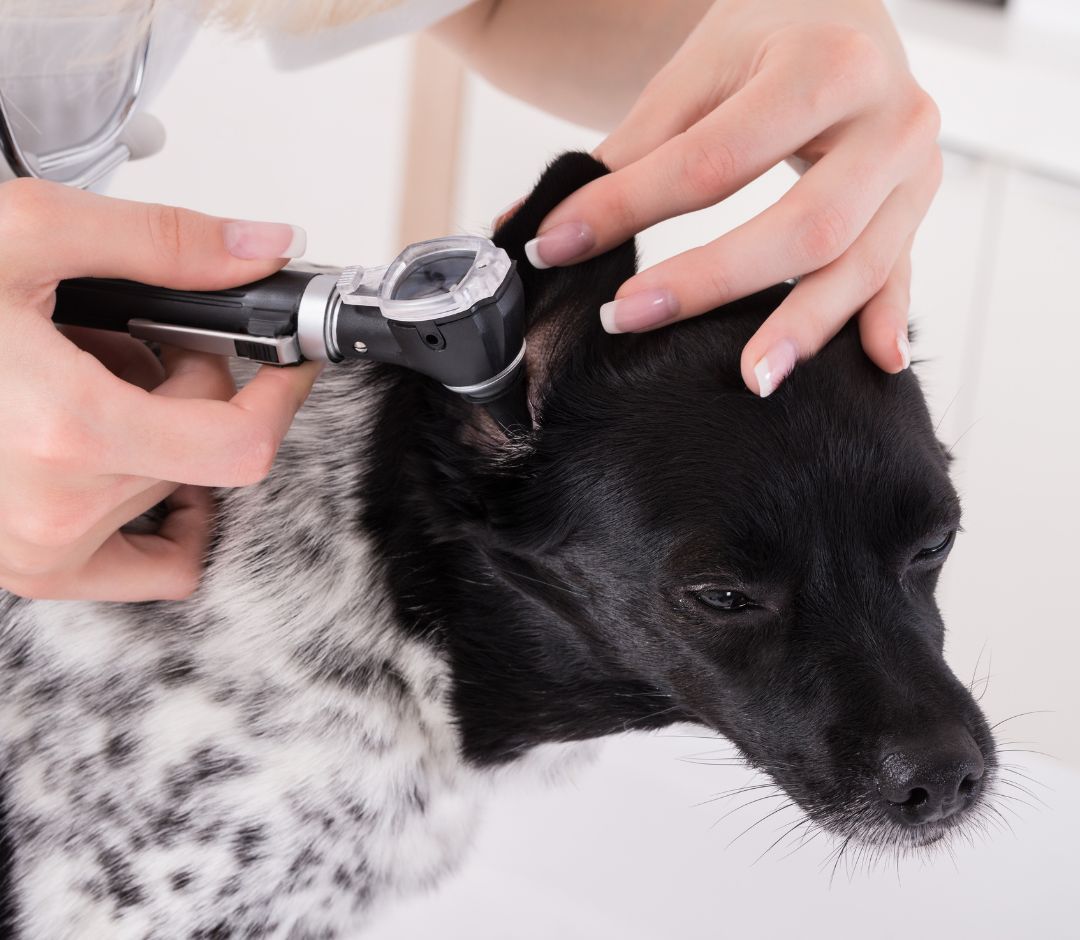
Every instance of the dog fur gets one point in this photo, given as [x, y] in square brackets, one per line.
[409, 603]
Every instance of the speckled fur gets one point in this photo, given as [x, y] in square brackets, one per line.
[269, 758]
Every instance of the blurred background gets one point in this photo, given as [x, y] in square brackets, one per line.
[392, 143]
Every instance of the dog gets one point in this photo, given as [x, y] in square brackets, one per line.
[410, 604]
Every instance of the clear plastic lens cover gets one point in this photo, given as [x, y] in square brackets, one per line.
[440, 277]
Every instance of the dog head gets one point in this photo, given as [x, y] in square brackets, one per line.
[666, 546]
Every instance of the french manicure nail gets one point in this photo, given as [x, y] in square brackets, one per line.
[252, 240]
[560, 245]
[644, 310]
[904, 347]
[775, 366]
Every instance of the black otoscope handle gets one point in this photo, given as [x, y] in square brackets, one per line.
[257, 321]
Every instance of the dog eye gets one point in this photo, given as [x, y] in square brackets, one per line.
[720, 599]
[934, 551]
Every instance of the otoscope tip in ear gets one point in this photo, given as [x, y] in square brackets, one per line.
[511, 409]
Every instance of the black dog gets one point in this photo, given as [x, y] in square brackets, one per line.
[410, 600]
[670, 548]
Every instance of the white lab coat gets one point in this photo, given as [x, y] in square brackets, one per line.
[60, 84]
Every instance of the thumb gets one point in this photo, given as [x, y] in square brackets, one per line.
[50, 231]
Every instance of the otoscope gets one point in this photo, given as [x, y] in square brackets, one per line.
[451, 308]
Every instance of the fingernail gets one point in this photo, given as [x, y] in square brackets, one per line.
[904, 347]
[251, 240]
[775, 366]
[641, 311]
[560, 245]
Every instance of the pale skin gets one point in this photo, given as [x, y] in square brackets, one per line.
[701, 97]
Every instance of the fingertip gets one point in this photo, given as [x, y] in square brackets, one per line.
[766, 363]
[279, 392]
[883, 331]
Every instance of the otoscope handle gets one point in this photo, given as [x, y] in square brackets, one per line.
[258, 319]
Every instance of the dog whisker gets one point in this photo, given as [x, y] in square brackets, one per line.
[787, 832]
[1036, 711]
[952, 446]
[768, 815]
[732, 793]
[742, 806]
[1026, 790]
[1015, 771]
[1021, 750]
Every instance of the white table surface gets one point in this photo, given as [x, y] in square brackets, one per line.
[623, 852]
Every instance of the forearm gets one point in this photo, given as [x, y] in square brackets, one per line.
[584, 60]
[589, 60]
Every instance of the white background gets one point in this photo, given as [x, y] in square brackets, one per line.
[996, 305]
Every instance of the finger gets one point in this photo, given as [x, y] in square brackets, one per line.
[125, 431]
[663, 110]
[129, 567]
[883, 322]
[99, 236]
[809, 227]
[209, 443]
[190, 374]
[752, 131]
[822, 302]
[126, 358]
[93, 519]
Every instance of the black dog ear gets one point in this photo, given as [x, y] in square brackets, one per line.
[562, 304]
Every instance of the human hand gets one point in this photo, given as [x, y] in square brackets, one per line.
[824, 85]
[85, 451]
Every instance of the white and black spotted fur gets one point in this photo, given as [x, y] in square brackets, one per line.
[408, 603]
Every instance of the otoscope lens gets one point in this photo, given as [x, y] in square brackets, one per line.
[439, 275]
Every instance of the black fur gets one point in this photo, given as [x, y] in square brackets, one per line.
[559, 573]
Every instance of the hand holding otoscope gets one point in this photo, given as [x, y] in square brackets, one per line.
[451, 308]
[85, 452]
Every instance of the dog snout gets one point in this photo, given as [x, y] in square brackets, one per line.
[929, 779]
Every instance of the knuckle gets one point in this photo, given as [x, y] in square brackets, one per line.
[853, 56]
[846, 61]
[50, 528]
[873, 272]
[25, 564]
[822, 234]
[258, 455]
[921, 118]
[708, 169]
[55, 441]
[719, 284]
[817, 327]
[166, 228]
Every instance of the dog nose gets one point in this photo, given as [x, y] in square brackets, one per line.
[929, 779]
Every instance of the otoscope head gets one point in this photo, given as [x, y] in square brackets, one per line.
[452, 309]
[492, 350]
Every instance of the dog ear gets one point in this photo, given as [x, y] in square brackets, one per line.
[562, 304]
